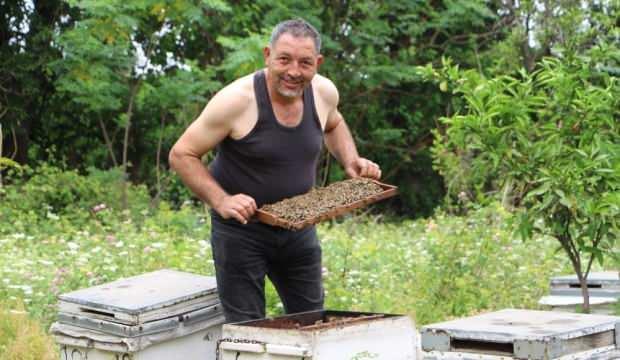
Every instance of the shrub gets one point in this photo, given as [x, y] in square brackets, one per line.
[47, 192]
[442, 267]
[547, 143]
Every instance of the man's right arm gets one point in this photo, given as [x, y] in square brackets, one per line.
[212, 126]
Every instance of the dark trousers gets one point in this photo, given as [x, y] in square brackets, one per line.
[244, 254]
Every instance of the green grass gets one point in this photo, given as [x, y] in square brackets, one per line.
[52, 242]
[22, 338]
[432, 269]
[438, 268]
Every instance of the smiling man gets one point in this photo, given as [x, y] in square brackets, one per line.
[268, 129]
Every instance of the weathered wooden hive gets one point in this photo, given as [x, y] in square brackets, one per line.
[565, 294]
[164, 314]
[321, 335]
[524, 334]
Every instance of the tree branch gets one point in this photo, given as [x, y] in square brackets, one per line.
[1, 144]
[162, 122]
[14, 154]
[108, 142]
[595, 243]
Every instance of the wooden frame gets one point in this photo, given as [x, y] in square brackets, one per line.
[271, 219]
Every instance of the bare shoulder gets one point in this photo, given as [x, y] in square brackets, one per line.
[233, 100]
[325, 89]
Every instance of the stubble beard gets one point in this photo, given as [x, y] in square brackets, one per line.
[288, 93]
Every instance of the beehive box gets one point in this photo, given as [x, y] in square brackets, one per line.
[565, 293]
[321, 335]
[523, 334]
[159, 315]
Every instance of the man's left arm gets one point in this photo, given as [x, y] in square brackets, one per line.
[340, 144]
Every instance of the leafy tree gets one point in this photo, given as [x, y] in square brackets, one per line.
[173, 99]
[548, 28]
[110, 54]
[26, 87]
[547, 143]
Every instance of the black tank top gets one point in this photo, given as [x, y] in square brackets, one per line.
[273, 161]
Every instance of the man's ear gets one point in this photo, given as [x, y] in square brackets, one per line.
[266, 53]
[319, 60]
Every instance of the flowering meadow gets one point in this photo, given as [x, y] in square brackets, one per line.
[432, 269]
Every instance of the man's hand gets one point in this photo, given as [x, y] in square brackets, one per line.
[240, 207]
[364, 168]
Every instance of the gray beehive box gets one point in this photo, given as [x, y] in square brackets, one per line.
[565, 293]
[158, 315]
[321, 335]
[524, 334]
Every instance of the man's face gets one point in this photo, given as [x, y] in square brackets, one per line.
[292, 63]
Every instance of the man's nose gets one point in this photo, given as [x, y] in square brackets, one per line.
[293, 70]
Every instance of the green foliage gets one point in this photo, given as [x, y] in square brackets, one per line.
[542, 29]
[85, 72]
[119, 68]
[104, 92]
[245, 56]
[49, 193]
[433, 269]
[547, 141]
[8, 163]
[61, 238]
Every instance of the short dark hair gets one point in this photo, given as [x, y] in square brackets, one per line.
[297, 28]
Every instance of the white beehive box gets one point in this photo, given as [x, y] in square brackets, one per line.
[160, 315]
[565, 294]
[321, 335]
[524, 334]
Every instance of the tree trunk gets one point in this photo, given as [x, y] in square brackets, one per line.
[573, 255]
[1, 143]
[108, 141]
[583, 282]
[134, 91]
[155, 202]
[529, 58]
[22, 142]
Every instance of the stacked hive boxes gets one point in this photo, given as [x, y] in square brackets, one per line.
[160, 315]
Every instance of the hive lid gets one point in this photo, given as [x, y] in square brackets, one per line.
[600, 284]
[523, 334]
[206, 314]
[143, 298]
[603, 278]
